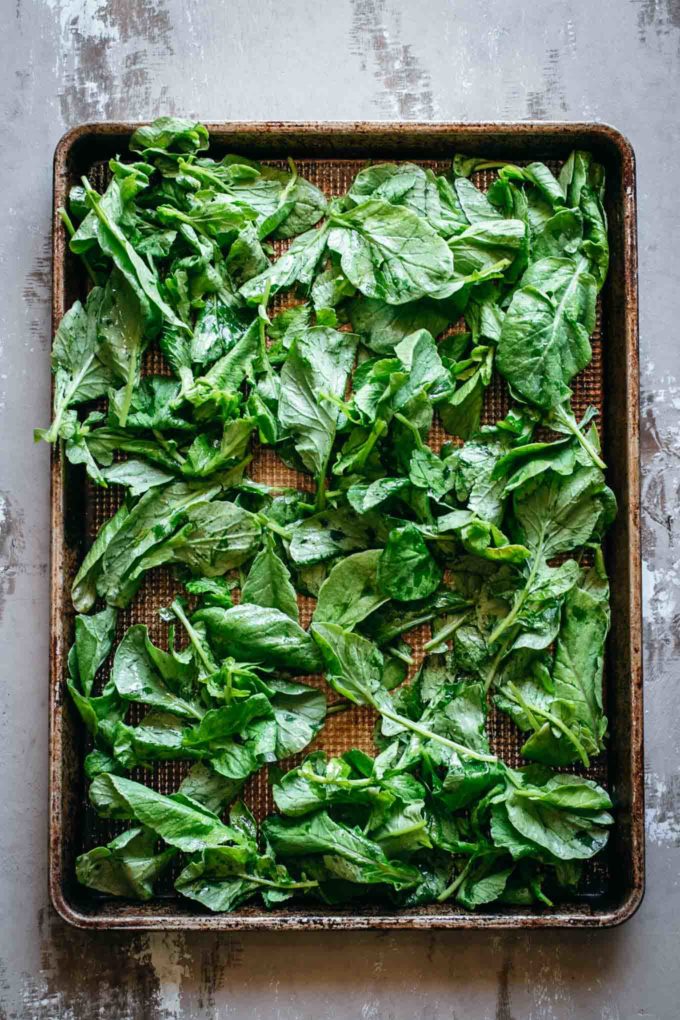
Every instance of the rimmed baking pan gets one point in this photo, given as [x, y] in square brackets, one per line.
[329, 155]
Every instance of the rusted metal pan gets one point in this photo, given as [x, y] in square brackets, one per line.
[329, 154]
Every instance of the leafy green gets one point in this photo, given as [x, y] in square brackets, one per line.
[94, 639]
[544, 339]
[127, 866]
[340, 845]
[389, 252]
[406, 569]
[171, 134]
[439, 580]
[260, 634]
[268, 583]
[136, 678]
[313, 377]
[80, 373]
[176, 818]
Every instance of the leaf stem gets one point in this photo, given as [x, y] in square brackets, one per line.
[409, 624]
[313, 777]
[445, 633]
[508, 620]
[569, 422]
[342, 405]
[423, 731]
[457, 882]
[129, 388]
[554, 721]
[397, 653]
[533, 722]
[204, 656]
[168, 447]
[339, 706]
[284, 533]
[491, 675]
[312, 884]
[320, 498]
[378, 430]
[412, 428]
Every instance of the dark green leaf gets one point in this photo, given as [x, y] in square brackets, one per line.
[406, 568]
[254, 634]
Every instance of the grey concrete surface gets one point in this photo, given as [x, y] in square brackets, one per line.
[67, 61]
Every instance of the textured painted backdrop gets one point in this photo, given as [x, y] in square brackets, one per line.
[66, 61]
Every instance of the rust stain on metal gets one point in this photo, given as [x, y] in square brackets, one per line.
[503, 1009]
[333, 144]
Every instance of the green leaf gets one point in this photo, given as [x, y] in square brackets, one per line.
[206, 786]
[114, 243]
[565, 834]
[127, 866]
[136, 475]
[285, 203]
[328, 534]
[206, 455]
[157, 738]
[480, 887]
[321, 835]
[316, 369]
[255, 634]
[213, 537]
[136, 678]
[219, 327]
[222, 878]
[84, 590]
[218, 390]
[299, 712]
[427, 471]
[577, 677]
[382, 326]
[389, 252]
[364, 497]
[297, 265]
[180, 821]
[150, 406]
[246, 257]
[79, 372]
[544, 339]
[94, 640]
[268, 583]
[218, 726]
[561, 513]
[488, 247]
[154, 518]
[406, 568]
[171, 134]
[353, 663]
[350, 593]
[461, 411]
[121, 334]
[473, 202]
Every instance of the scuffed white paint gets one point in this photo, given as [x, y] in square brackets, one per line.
[662, 817]
[164, 955]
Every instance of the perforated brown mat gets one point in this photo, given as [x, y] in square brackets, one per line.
[353, 728]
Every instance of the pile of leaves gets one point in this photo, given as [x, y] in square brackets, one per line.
[493, 540]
